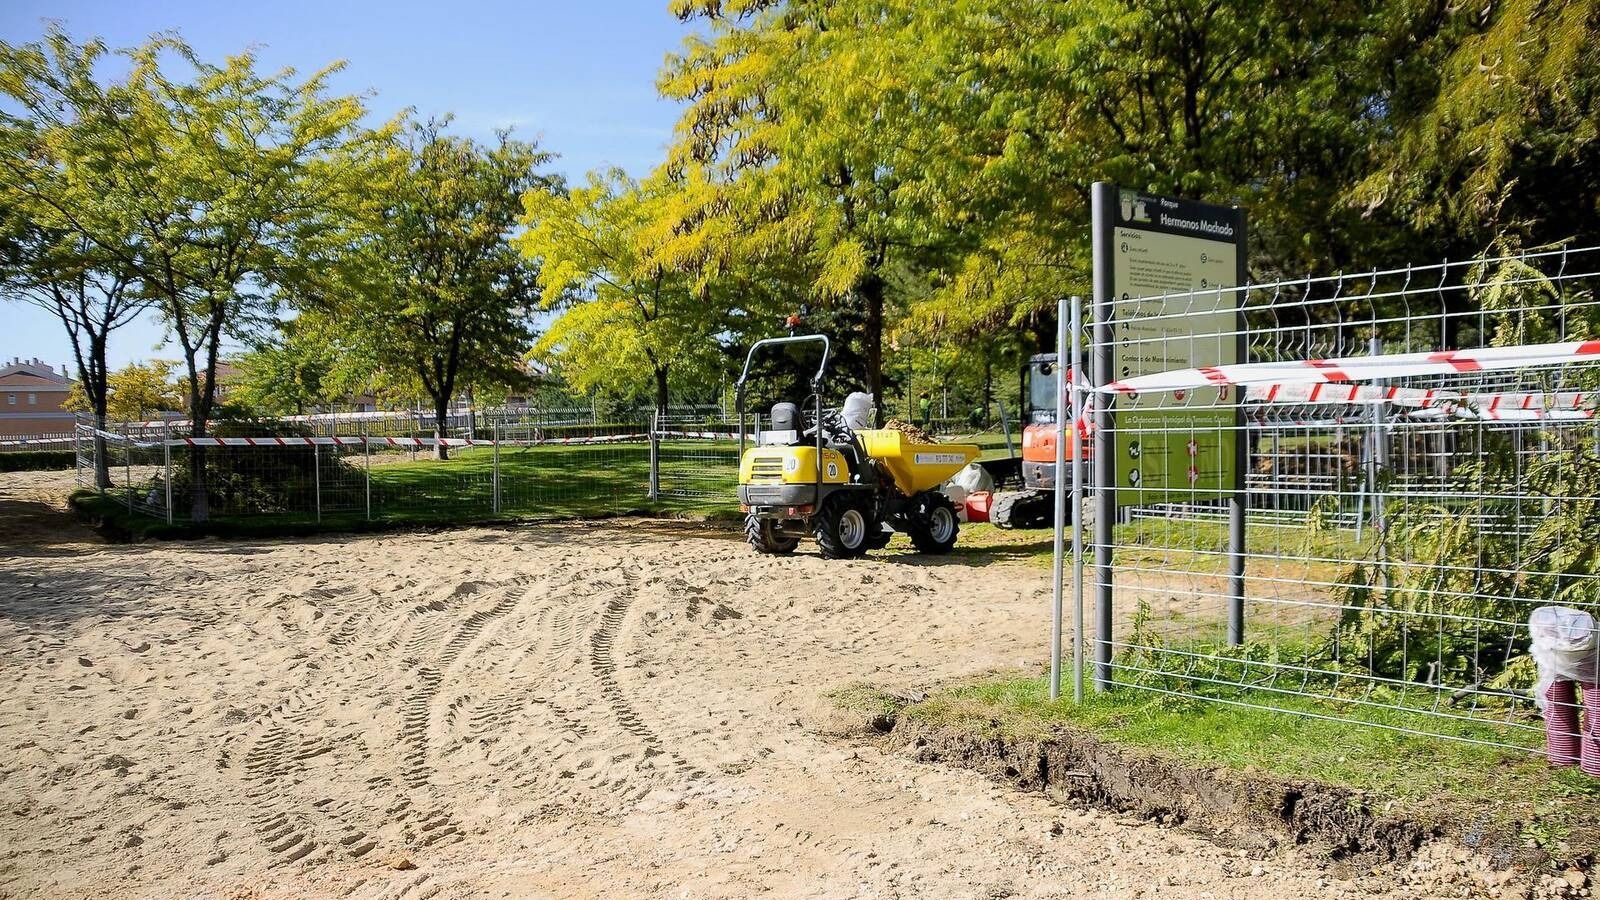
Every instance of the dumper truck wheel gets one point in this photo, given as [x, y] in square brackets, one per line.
[764, 536]
[933, 526]
[842, 527]
[878, 536]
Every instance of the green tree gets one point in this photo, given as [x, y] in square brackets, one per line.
[218, 175]
[792, 153]
[137, 392]
[430, 288]
[243, 168]
[959, 139]
[1491, 120]
[57, 146]
[288, 372]
[618, 303]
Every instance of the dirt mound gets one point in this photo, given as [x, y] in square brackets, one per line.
[1430, 851]
[915, 433]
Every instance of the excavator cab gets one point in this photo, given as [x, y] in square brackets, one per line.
[1032, 505]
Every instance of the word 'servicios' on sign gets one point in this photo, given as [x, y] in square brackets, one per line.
[1161, 269]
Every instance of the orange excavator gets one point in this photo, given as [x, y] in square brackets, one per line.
[1024, 497]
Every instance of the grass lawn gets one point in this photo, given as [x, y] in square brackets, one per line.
[535, 483]
[610, 479]
[1424, 773]
[1188, 545]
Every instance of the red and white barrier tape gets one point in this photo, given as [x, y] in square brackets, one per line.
[1362, 368]
[410, 442]
[1506, 406]
[405, 442]
[704, 435]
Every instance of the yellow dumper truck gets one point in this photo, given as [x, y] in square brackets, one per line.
[848, 487]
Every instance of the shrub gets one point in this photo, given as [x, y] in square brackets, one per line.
[1472, 574]
[262, 480]
[36, 460]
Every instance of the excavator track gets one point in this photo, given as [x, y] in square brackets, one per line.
[1021, 509]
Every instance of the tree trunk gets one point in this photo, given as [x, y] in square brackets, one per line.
[102, 466]
[199, 502]
[988, 384]
[661, 390]
[96, 384]
[202, 394]
[872, 291]
[441, 416]
[1024, 402]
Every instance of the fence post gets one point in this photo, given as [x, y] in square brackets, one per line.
[366, 465]
[166, 449]
[1078, 399]
[1377, 463]
[1103, 200]
[316, 476]
[1239, 500]
[1058, 575]
[77, 451]
[494, 436]
[127, 466]
[655, 455]
[1005, 426]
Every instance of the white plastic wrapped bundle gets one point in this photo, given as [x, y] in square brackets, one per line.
[958, 496]
[857, 411]
[973, 478]
[1563, 648]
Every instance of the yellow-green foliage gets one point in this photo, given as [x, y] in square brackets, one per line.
[630, 325]
[1497, 87]
[137, 391]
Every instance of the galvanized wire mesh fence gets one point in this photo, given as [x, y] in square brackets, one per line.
[1397, 531]
[286, 472]
[696, 457]
[35, 443]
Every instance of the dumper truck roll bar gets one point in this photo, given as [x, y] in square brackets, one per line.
[816, 393]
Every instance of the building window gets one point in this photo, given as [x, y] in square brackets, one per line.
[11, 399]
[33, 399]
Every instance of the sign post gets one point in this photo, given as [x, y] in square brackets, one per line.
[1163, 269]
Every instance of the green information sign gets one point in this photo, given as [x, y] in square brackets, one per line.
[1176, 255]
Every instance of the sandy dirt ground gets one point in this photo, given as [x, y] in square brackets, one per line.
[615, 710]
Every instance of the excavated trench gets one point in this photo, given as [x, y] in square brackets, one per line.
[1246, 810]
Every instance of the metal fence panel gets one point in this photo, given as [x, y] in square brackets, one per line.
[697, 457]
[1396, 542]
[284, 472]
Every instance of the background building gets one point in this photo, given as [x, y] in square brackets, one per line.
[31, 395]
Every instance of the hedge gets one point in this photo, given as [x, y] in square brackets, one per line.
[36, 460]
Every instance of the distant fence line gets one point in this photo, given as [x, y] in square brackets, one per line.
[493, 470]
[15, 443]
[1002, 427]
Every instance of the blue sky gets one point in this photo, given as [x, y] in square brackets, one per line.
[578, 76]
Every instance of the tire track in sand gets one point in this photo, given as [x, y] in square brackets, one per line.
[292, 827]
[603, 659]
[423, 705]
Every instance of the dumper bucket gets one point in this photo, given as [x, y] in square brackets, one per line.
[915, 467]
